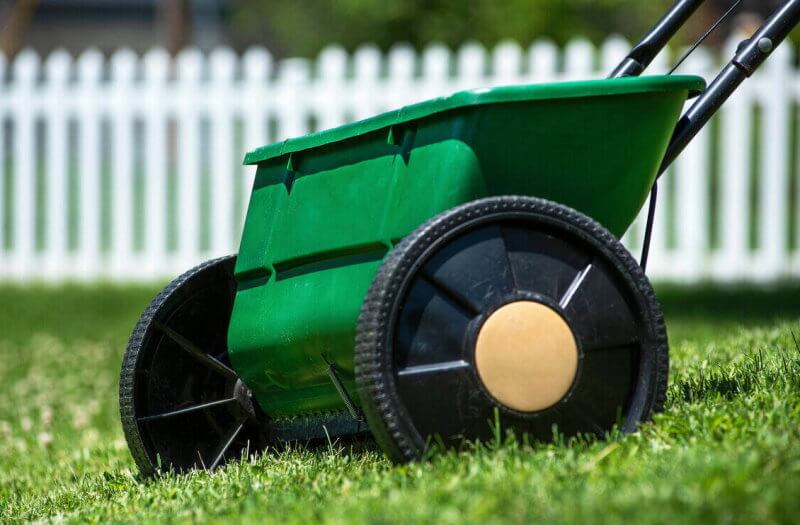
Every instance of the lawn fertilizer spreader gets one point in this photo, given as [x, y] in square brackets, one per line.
[432, 273]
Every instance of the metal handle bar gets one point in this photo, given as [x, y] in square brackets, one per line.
[750, 55]
[654, 41]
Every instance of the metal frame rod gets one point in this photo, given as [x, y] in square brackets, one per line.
[654, 41]
[749, 56]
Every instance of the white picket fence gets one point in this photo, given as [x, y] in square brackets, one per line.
[129, 168]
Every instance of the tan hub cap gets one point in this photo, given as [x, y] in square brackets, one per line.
[526, 356]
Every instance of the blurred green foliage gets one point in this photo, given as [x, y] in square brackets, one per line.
[303, 27]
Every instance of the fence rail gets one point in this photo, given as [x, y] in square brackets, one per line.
[128, 168]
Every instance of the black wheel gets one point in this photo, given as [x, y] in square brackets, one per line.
[509, 307]
[181, 404]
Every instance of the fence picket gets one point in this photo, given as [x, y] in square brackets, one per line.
[223, 62]
[90, 65]
[692, 180]
[773, 202]
[542, 62]
[190, 64]
[612, 52]
[257, 88]
[3, 174]
[731, 261]
[579, 60]
[156, 69]
[123, 64]
[794, 259]
[293, 77]
[366, 95]
[471, 64]
[400, 81]
[26, 69]
[507, 64]
[56, 190]
[435, 71]
[331, 87]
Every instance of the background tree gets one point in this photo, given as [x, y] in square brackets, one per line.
[15, 19]
[303, 27]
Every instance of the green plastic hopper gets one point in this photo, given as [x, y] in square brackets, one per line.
[326, 208]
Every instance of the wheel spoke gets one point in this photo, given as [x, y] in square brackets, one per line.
[220, 454]
[451, 294]
[511, 274]
[195, 352]
[542, 263]
[436, 367]
[598, 312]
[187, 410]
[574, 286]
[606, 382]
[444, 400]
[474, 268]
[430, 328]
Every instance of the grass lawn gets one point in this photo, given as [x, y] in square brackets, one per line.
[727, 448]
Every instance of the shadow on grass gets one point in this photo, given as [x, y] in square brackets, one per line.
[740, 304]
[71, 312]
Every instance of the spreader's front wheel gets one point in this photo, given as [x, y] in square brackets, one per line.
[509, 310]
[181, 403]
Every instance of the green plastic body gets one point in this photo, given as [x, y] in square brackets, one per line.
[326, 208]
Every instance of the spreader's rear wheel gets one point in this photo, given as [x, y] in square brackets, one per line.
[181, 403]
[509, 307]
